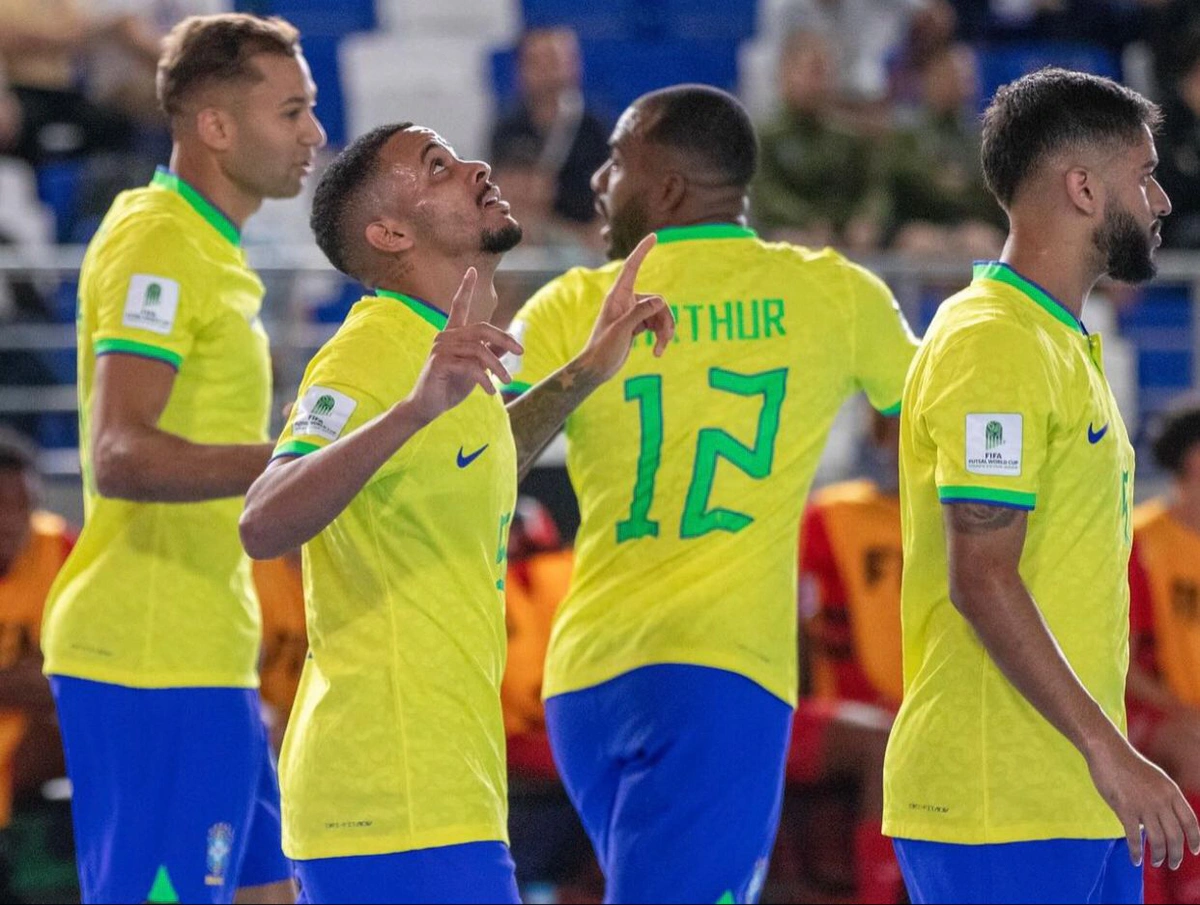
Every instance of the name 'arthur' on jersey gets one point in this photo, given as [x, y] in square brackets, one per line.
[703, 457]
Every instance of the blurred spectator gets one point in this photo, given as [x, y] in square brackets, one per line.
[1164, 608]
[41, 42]
[551, 122]
[33, 546]
[818, 180]
[285, 639]
[939, 202]
[1179, 151]
[530, 190]
[850, 566]
[549, 844]
[864, 34]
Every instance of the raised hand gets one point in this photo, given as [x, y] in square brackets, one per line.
[624, 315]
[463, 357]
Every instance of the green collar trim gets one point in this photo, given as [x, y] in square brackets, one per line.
[423, 310]
[704, 231]
[205, 208]
[1002, 273]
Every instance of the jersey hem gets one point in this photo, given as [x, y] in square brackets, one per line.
[589, 678]
[1012, 499]
[1017, 832]
[142, 679]
[393, 844]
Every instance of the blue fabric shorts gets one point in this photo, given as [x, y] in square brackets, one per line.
[677, 774]
[472, 872]
[174, 791]
[1051, 870]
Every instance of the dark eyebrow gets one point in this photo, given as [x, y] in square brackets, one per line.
[429, 147]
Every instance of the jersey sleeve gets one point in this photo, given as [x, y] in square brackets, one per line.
[145, 302]
[984, 403]
[542, 327]
[333, 401]
[884, 344]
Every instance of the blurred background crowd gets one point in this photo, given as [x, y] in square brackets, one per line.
[869, 129]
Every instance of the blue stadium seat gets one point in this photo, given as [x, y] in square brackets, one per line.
[58, 187]
[729, 20]
[321, 51]
[593, 19]
[1161, 326]
[317, 17]
[1002, 63]
[617, 72]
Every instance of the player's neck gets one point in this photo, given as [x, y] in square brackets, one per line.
[203, 174]
[1046, 260]
[436, 279]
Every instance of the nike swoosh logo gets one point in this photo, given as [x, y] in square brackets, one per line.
[1096, 436]
[464, 461]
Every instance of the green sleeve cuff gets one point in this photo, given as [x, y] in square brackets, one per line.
[1011, 499]
[141, 350]
[516, 388]
[294, 448]
[891, 411]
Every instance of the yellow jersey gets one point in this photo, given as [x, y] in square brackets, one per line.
[396, 740]
[159, 595]
[692, 469]
[1007, 404]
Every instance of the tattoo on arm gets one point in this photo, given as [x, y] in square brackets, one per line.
[538, 415]
[980, 518]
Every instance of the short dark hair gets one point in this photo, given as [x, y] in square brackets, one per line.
[338, 191]
[17, 452]
[1051, 109]
[708, 123]
[1176, 433]
[201, 50]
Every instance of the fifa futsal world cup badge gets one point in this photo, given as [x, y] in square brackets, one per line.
[220, 844]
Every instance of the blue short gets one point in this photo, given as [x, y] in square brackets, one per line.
[1051, 870]
[173, 789]
[677, 774]
[471, 872]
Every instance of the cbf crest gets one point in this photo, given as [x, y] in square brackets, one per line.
[220, 846]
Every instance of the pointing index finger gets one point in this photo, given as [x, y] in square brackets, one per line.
[460, 305]
[629, 270]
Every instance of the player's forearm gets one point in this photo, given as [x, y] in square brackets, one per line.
[1010, 626]
[295, 499]
[148, 465]
[539, 414]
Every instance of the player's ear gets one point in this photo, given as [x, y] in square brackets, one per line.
[215, 127]
[672, 191]
[388, 235]
[1082, 188]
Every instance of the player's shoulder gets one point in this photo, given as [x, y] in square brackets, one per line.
[978, 320]
[578, 285]
[821, 268]
[1151, 518]
[145, 227]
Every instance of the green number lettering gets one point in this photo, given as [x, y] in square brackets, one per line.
[647, 390]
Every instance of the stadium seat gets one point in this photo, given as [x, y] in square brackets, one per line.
[317, 17]
[593, 20]
[58, 186]
[497, 20]
[1002, 63]
[321, 51]
[438, 82]
[1161, 325]
[617, 72]
[704, 20]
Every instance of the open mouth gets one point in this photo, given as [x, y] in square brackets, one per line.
[490, 196]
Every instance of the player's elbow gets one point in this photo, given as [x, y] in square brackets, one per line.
[255, 530]
[975, 586]
[115, 468]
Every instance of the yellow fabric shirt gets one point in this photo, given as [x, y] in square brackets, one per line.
[692, 469]
[1007, 404]
[1169, 553]
[159, 595]
[396, 740]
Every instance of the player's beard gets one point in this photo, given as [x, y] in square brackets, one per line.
[1127, 248]
[626, 228]
[498, 241]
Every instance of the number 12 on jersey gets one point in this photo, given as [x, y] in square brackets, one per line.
[712, 443]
